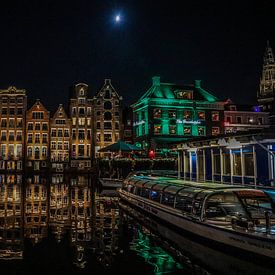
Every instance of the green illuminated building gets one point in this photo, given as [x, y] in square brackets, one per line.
[168, 113]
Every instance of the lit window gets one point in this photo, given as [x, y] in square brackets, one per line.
[201, 115]
[171, 113]
[157, 129]
[187, 114]
[157, 113]
[187, 130]
[201, 131]
[215, 116]
[185, 94]
[108, 137]
[172, 129]
[215, 130]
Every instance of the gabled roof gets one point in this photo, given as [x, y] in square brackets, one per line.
[107, 85]
[59, 110]
[38, 106]
[169, 91]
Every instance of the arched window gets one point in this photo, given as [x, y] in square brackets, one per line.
[107, 105]
[107, 116]
[44, 151]
[36, 153]
[29, 151]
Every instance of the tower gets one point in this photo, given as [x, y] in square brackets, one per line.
[266, 95]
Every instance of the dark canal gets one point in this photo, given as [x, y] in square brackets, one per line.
[63, 224]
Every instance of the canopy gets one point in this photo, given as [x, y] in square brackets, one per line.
[120, 146]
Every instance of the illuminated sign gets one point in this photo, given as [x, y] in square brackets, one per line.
[139, 122]
[184, 121]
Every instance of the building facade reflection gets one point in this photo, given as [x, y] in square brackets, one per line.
[11, 220]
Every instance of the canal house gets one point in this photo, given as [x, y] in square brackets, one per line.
[107, 117]
[243, 158]
[81, 129]
[37, 137]
[169, 113]
[13, 105]
[60, 140]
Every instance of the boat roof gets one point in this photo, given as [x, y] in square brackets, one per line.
[183, 187]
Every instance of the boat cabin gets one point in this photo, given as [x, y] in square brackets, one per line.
[214, 203]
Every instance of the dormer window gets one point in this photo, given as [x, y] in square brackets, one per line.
[81, 92]
[184, 94]
[232, 108]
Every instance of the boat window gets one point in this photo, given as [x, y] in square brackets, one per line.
[168, 199]
[256, 202]
[155, 195]
[189, 192]
[128, 188]
[144, 192]
[160, 186]
[173, 189]
[197, 206]
[184, 203]
[224, 205]
[137, 190]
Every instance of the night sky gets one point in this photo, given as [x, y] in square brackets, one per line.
[47, 46]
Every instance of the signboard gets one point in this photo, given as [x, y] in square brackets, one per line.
[185, 121]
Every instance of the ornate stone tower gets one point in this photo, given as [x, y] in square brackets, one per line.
[266, 95]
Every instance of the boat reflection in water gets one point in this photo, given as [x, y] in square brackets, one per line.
[193, 255]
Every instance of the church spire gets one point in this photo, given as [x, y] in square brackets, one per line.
[266, 94]
[268, 56]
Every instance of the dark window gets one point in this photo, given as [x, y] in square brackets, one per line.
[107, 105]
[107, 94]
[107, 125]
[82, 111]
[107, 116]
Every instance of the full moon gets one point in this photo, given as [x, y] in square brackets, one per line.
[117, 18]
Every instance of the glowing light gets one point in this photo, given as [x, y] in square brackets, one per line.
[117, 18]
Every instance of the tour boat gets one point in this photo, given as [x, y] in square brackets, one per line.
[229, 215]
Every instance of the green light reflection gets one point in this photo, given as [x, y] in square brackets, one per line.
[154, 255]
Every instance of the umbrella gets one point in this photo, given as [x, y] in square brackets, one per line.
[120, 146]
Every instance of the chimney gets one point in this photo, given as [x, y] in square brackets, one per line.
[107, 81]
[197, 83]
[156, 80]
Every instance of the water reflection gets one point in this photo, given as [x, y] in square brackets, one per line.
[61, 223]
[194, 255]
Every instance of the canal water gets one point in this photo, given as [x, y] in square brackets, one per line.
[68, 224]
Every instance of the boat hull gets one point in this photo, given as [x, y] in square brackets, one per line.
[264, 246]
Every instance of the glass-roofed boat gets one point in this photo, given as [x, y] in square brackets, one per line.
[236, 216]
